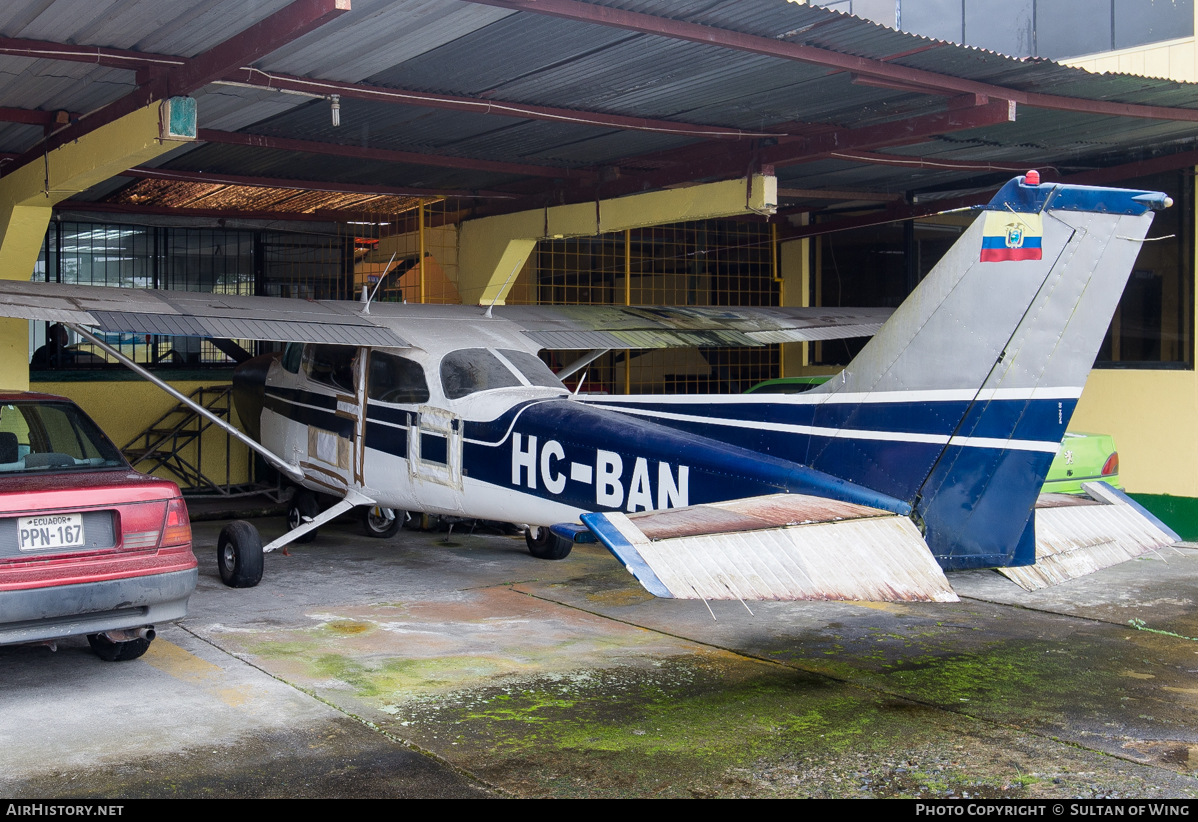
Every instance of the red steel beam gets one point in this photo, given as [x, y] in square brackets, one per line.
[707, 161]
[387, 155]
[931, 163]
[112, 58]
[258, 78]
[285, 25]
[158, 82]
[302, 185]
[897, 212]
[813, 55]
[232, 214]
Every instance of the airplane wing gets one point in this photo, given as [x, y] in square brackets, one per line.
[283, 319]
[616, 326]
[196, 314]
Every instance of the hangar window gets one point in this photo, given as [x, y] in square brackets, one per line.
[331, 365]
[470, 370]
[395, 379]
[211, 260]
[1152, 328]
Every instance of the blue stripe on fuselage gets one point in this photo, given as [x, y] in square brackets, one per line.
[598, 459]
[287, 403]
[877, 445]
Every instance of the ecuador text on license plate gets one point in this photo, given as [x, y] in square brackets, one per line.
[50, 531]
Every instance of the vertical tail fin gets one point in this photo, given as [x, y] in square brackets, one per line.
[988, 357]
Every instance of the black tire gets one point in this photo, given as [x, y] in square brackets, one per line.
[110, 651]
[303, 505]
[374, 520]
[239, 555]
[544, 544]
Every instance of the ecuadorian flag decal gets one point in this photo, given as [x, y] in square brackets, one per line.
[1011, 236]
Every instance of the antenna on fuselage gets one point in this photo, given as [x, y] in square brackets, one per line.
[366, 298]
[578, 387]
[487, 313]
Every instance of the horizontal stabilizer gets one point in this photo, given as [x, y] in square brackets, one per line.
[1078, 535]
[778, 547]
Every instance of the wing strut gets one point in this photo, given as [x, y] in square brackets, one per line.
[352, 500]
[293, 472]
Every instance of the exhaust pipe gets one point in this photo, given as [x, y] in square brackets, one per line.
[145, 632]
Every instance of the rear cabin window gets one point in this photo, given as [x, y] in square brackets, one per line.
[471, 370]
[535, 371]
[331, 365]
[38, 437]
[396, 379]
[293, 355]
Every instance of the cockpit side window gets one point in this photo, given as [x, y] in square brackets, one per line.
[331, 364]
[533, 369]
[468, 370]
[395, 379]
[293, 355]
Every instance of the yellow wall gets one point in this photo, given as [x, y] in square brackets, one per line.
[1170, 60]
[1153, 416]
[124, 409]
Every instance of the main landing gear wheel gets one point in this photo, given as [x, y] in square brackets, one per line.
[110, 651]
[302, 506]
[239, 555]
[381, 522]
[544, 544]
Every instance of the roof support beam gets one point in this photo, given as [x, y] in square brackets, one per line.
[158, 81]
[706, 161]
[899, 211]
[387, 155]
[288, 23]
[248, 76]
[303, 185]
[256, 78]
[111, 58]
[911, 78]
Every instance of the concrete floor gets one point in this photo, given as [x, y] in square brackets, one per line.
[427, 666]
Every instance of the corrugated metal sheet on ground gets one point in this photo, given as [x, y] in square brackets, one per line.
[1079, 538]
[854, 553]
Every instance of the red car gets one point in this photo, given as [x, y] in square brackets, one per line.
[87, 544]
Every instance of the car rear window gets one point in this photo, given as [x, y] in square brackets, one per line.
[37, 437]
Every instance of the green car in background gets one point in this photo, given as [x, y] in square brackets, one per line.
[1081, 458]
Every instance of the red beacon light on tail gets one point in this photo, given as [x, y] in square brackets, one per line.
[1032, 178]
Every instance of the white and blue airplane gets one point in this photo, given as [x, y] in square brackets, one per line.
[927, 453]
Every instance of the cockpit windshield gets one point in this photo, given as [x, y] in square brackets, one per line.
[470, 370]
[533, 369]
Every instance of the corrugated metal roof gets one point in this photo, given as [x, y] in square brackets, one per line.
[484, 52]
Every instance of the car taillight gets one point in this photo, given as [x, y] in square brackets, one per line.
[178, 525]
[1111, 466]
[141, 524]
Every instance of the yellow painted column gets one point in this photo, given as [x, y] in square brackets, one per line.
[795, 273]
[29, 193]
